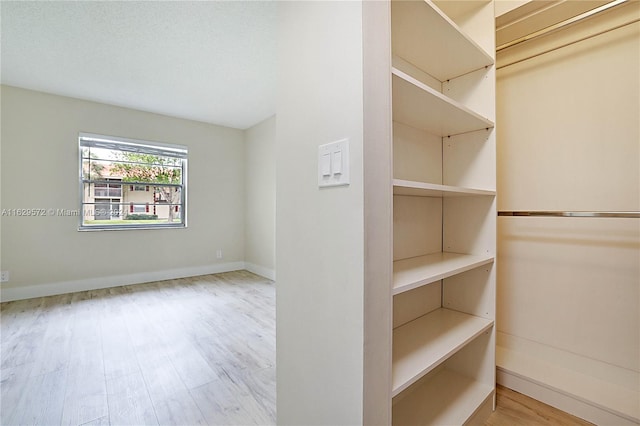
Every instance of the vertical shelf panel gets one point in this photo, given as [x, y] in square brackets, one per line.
[417, 226]
[417, 155]
[469, 160]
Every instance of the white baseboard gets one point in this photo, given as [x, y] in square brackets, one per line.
[50, 289]
[594, 390]
[561, 400]
[260, 270]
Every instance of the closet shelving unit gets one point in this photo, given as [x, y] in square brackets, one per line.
[443, 101]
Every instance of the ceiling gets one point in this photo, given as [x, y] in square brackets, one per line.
[211, 61]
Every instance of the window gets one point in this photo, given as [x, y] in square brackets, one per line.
[131, 184]
[108, 189]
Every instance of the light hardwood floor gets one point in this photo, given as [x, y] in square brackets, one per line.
[516, 409]
[182, 352]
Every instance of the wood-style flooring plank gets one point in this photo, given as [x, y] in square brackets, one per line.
[13, 383]
[161, 378]
[102, 421]
[223, 403]
[86, 391]
[16, 318]
[260, 392]
[192, 368]
[41, 402]
[55, 348]
[23, 329]
[129, 401]
[179, 409]
[119, 356]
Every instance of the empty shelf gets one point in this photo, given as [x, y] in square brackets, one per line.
[424, 36]
[423, 189]
[418, 105]
[424, 343]
[418, 271]
[448, 398]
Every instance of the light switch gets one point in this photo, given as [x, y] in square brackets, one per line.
[325, 164]
[333, 163]
[336, 163]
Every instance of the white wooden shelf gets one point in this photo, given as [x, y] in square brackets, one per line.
[448, 398]
[418, 271]
[424, 343]
[422, 107]
[424, 36]
[423, 189]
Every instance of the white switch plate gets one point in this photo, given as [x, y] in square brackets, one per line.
[4, 276]
[338, 155]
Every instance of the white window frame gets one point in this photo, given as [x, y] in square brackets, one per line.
[88, 140]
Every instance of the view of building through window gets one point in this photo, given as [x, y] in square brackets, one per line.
[131, 184]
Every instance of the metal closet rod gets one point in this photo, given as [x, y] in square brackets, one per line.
[567, 44]
[539, 213]
[562, 24]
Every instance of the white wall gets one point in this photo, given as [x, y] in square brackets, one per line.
[47, 255]
[319, 232]
[260, 198]
[569, 139]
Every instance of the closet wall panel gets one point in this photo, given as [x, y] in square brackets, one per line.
[568, 288]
